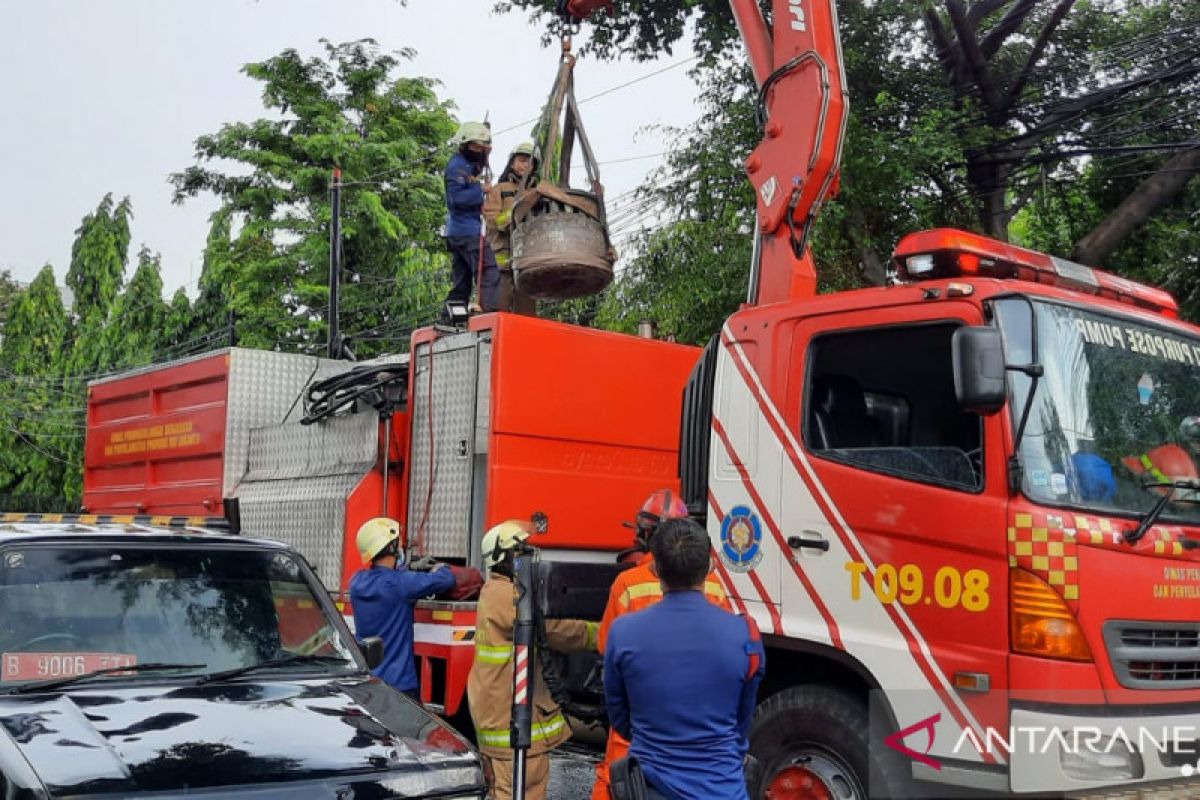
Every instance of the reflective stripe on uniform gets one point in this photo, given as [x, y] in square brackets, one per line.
[639, 590]
[493, 654]
[593, 629]
[1158, 474]
[541, 731]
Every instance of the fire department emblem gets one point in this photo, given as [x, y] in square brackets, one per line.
[741, 539]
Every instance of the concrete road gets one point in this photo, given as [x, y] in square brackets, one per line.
[572, 772]
[573, 765]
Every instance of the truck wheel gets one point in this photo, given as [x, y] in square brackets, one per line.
[814, 743]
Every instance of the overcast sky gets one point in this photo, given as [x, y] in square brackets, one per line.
[109, 96]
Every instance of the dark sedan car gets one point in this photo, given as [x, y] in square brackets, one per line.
[141, 662]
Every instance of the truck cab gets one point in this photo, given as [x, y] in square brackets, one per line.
[137, 660]
[997, 593]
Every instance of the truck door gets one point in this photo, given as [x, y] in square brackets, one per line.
[909, 492]
[743, 480]
[881, 507]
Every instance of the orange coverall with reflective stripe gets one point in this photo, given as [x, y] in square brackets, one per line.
[633, 590]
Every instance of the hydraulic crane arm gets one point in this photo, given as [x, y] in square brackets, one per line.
[797, 63]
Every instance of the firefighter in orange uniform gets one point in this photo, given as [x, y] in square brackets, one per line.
[490, 685]
[638, 588]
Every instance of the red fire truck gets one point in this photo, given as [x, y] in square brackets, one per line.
[961, 507]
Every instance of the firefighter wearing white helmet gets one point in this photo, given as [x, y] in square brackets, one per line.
[490, 685]
[497, 211]
[383, 595]
[466, 187]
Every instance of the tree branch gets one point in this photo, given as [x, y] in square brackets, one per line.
[1008, 25]
[946, 51]
[1023, 199]
[1039, 47]
[1154, 193]
[984, 9]
[1075, 107]
[975, 59]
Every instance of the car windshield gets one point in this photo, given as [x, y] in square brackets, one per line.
[68, 610]
[1117, 410]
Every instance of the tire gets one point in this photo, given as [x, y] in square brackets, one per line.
[814, 743]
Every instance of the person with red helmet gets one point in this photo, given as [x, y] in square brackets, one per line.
[1164, 464]
[638, 588]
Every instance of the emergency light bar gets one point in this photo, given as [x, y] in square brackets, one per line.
[951, 253]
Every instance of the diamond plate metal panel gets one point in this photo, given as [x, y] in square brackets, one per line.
[267, 389]
[307, 513]
[264, 387]
[299, 481]
[440, 488]
[342, 445]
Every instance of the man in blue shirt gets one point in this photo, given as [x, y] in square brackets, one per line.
[465, 193]
[383, 596]
[681, 678]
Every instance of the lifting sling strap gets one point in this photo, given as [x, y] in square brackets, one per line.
[561, 248]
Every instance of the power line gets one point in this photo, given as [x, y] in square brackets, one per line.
[606, 92]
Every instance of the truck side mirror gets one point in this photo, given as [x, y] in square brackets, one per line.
[372, 648]
[978, 356]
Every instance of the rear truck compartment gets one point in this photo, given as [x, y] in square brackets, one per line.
[184, 438]
[518, 415]
[513, 416]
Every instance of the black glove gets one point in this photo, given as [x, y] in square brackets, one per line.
[425, 564]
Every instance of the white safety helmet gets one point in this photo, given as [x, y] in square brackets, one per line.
[502, 538]
[473, 132]
[374, 536]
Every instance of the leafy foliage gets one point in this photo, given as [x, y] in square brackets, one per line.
[268, 250]
[9, 289]
[34, 424]
[1011, 117]
[138, 324]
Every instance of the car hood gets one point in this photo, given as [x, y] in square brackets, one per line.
[354, 737]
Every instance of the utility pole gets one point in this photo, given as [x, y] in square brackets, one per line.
[335, 265]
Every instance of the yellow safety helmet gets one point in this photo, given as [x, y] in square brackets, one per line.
[502, 538]
[374, 536]
[523, 149]
[473, 132]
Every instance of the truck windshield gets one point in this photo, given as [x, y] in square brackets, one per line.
[68, 610]
[1117, 410]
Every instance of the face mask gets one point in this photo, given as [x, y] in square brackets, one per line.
[475, 157]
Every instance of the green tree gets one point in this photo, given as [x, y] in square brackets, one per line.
[268, 252]
[217, 277]
[37, 419]
[179, 323]
[137, 325]
[98, 259]
[966, 113]
[99, 256]
[9, 289]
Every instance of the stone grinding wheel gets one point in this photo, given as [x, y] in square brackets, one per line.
[561, 253]
[560, 244]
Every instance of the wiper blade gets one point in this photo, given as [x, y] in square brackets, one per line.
[55, 683]
[271, 664]
[1131, 537]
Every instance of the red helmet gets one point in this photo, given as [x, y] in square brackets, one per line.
[660, 506]
[1166, 463]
